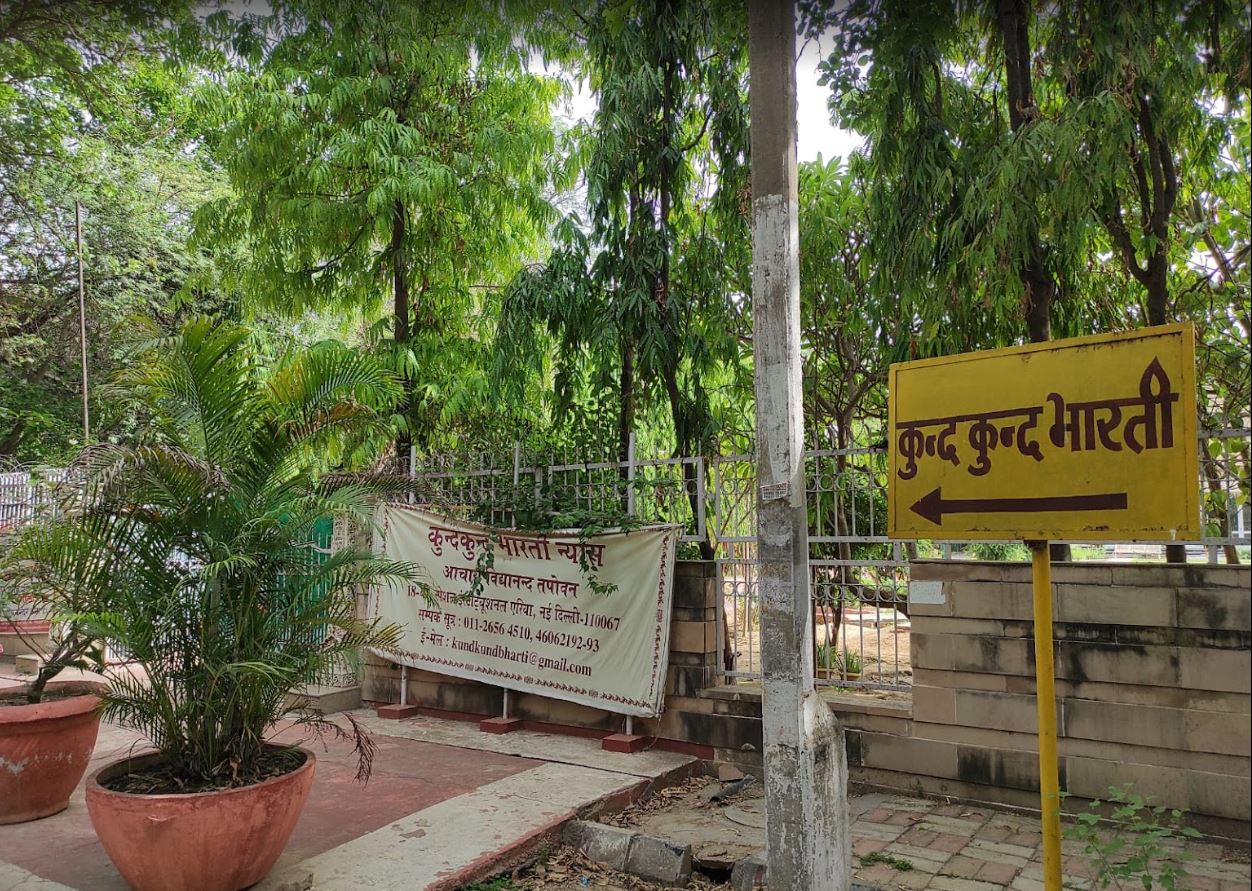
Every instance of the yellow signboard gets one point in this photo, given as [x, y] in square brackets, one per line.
[1087, 439]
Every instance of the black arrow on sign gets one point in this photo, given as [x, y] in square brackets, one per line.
[933, 506]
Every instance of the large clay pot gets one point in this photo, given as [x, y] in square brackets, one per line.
[203, 841]
[44, 749]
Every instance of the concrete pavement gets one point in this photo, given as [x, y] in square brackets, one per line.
[434, 815]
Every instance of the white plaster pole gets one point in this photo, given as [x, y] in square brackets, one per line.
[807, 824]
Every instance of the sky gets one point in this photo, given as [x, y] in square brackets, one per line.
[815, 134]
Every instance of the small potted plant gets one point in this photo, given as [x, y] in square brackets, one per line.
[216, 601]
[48, 728]
[850, 664]
[827, 661]
[838, 664]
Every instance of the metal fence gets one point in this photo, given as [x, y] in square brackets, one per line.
[859, 577]
[25, 492]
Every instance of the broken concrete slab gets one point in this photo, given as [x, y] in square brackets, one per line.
[749, 873]
[658, 860]
[605, 844]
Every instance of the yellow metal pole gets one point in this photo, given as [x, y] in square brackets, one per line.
[1045, 699]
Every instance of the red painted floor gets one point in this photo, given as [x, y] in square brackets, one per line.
[408, 776]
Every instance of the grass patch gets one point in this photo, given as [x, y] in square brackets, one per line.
[899, 863]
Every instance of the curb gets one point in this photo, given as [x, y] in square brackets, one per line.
[519, 851]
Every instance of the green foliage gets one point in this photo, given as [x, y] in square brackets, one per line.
[1012, 551]
[389, 160]
[981, 207]
[543, 508]
[637, 301]
[100, 120]
[898, 863]
[189, 551]
[1137, 845]
[500, 883]
[842, 662]
[849, 334]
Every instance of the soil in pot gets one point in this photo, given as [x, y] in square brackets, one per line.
[223, 839]
[45, 748]
[161, 778]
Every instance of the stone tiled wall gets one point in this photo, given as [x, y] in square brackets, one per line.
[1153, 671]
[1153, 666]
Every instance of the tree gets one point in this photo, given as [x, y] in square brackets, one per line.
[639, 299]
[388, 152]
[1004, 136]
[188, 551]
[89, 113]
[1145, 82]
[1019, 156]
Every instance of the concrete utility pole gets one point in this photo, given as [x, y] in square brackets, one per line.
[806, 770]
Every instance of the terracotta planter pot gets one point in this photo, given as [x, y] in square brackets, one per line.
[204, 841]
[44, 750]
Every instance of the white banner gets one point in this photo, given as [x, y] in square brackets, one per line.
[538, 624]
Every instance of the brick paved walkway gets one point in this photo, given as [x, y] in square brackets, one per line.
[955, 847]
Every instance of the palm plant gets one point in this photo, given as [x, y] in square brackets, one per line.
[50, 592]
[189, 552]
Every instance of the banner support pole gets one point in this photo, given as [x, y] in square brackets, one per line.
[504, 711]
[404, 685]
[1045, 699]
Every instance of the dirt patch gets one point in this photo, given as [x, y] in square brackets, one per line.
[567, 869]
[879, 640]
[17, 695]
[635, 814]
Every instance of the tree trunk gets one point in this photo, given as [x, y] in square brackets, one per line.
[626, 399]
[1158, 287]
[625, 416]
[401, 329]
[1013, 18]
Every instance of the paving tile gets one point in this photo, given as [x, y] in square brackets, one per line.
[877, 874]
[1021, 883]
[1220, 871]
[1025, 839]
[919, 837]
[912, 880]
[993, 833]
[1002, 848]
[1079, 866]
[989, 856]
[883, 831]
[953, 844]
[961, 867]
[955, 825]
[1201, 883]
[997, 873]
[919, 855]
[863, 846]
[950, 883]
